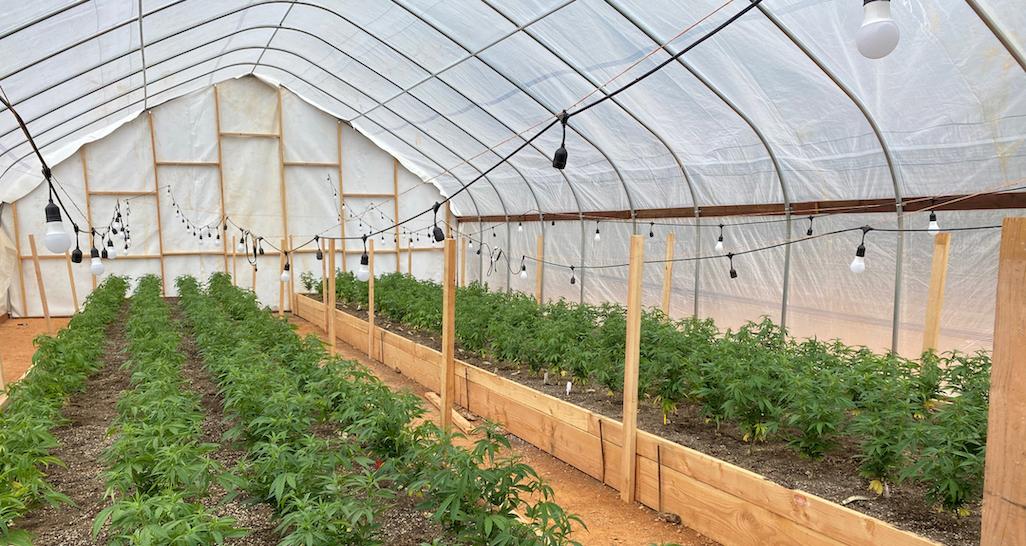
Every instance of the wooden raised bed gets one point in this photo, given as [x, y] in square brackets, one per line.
[720, 500]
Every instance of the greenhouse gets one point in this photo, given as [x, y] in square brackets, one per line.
[550, 272]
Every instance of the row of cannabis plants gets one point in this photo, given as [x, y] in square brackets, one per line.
[158, 467]
[332, 449]
[60, 367]
[923, 420]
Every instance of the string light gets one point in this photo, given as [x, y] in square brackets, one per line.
[858, 264]
[573, 277]
[733, 272]
[319, 255]
[285, 270]
[436, 232]
[808, 233]
[76, 255]
[934, 227]
[523, 267]
[112, 251]
[520, 226]
[719, 241]
[598, 236]
[363, 273]
[879, 34]
[95, 265]
[651, 229]
[559, 158]
[56, 239]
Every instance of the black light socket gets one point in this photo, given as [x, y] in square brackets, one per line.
[76, 255]
[559, 158]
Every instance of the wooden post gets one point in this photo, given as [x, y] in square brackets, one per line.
[235, 261]
[341, 198]
[1004, 487]
[409, 258]
[18, 262]
[220, 178]
[324, 282]
[71, 280]
[39, 283]
[463, 260]
[632, 353]
[668, 273]
[88, 200]
[3, 378]
[448, 368]
[370, 300]
[539, 285]
[329, 296]
[281, 285]
[255, 262]
[395, 208]
[282, 193]
[292, 277]
[935, 299]
[156, 190]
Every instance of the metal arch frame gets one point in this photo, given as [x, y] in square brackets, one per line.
[998, 33]
[617, 102]
[758, 134]
[42, 18]
[898, 198]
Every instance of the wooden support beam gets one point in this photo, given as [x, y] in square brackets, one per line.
[395, 209]
[253, 285]
[292, 276]
[71, 280]
[21, 267]
[668, 273]
[539, 279]
[341, 196]
[369, 195]
[281, 284]
[370, 300]
[235, 261]
[324, 282]
[311, 164]
[189, 163]
[282, 192]
[935, 298]
[448, 367]
[241, 134]
[117, 193]
[220, 180]
[329, 296]
[409, 259]
[1004, 487]
[632, 353]
[463, 260]
[156, 186]
[88, 201]
[39, 284]
[460, 421]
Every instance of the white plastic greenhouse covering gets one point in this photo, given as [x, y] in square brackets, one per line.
[778, 108]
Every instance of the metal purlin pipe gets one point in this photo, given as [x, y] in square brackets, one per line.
[758, 133]
[900, 258]
[538, 101]
[998, 33]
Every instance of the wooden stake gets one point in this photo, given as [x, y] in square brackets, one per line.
[395, 208]
[539, 285]
[935, 299]
[370, 300]
[632, 353]
[281, 285]
[448, 368]
[409, 259]
[668, 273]
[341, 198]
[88, 201]
[220, 179]
[292, 277]
[39, 283]
[71, 280]
[463, 260]
[156, 188]
[255, 261]
[329, 296]
[1004, 487]
[18, 262]
[282, 192]
[235, 261]
[324, 282]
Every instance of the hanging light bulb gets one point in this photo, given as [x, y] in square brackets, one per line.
[285, 272]
[808, 233]
[57, 239]
[598, 236]
[651, 229]
[241, 247]
[878, 35]
[573, 278]
[559, 158]
[523, 267]
[733, 272]
[934, 227]
[95, 265]
[858, 264]
[76, 255]
[260, 245]
[103, 253]
[319, 255]
[125, 251]
[470, 243]
[436, 232]
[112, 251]
[363, 273]
[719, 240]
[520, 226]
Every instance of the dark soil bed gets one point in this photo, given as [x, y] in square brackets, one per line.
[834, 477]
[82, 441]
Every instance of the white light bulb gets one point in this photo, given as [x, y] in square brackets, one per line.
[363, 273]
[57, 239]
[523, 273]
[878, 35]
[520, 227]
[112, 252]
[719, 246]
[470, 243]
[284, 276]
[96, 266]
[858, 265]
[934, 228]
[241, 247]
[597, 236]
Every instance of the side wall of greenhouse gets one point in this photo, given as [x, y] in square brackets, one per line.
[203, 145]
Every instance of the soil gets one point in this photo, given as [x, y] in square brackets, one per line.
[834, 477]
[16, 348]
[81, 443]
[608, 520]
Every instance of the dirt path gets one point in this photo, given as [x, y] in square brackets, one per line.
[610, 521]
[257, 518]
[81, 444]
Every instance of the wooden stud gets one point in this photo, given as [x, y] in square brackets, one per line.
[311, 164]
[1004, 487]
[156, 188]
[281, 285]
[292, 277]
[235, 261]
[448, 367]
[282, 193]
[409, 259]
[189, 163]
[88, 201]
[463, 260]
[935, 298]
[448, 220]
[116, 193]
[71, 280]
[242, 134]
[341, 198]
[668, 273]
[370, 300]
[39, 283]
[539, 285]
[395, 208]
[370, 195]
[253, 286]
[220, 180]
[21, 266]
[329, 296]
[632, 353]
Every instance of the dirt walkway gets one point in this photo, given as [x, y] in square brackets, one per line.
[81, 444]
[610, 521]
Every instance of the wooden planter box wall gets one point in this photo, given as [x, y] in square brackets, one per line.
[720, 500]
